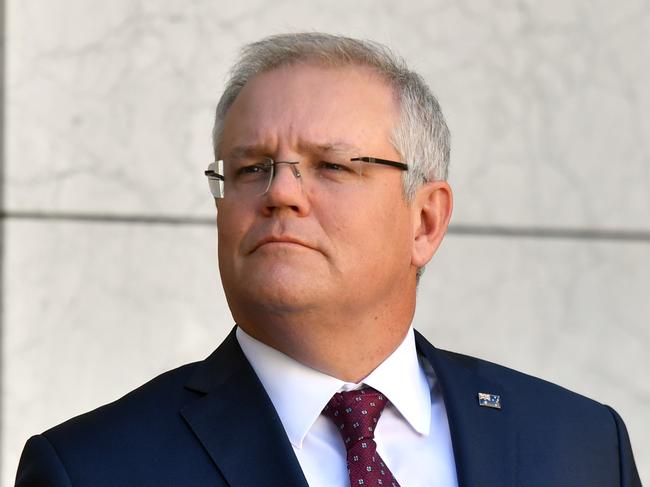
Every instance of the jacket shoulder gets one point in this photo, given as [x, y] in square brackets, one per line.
[139, 439]
[563, 436]
[156, 400]
[527, 388]
[547, 417]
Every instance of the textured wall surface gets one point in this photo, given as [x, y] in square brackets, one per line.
[109, 268]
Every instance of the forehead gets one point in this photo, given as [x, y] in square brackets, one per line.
[305, 104]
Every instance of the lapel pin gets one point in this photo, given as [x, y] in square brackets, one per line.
[488, 400]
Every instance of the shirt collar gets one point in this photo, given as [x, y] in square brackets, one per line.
[400, 378]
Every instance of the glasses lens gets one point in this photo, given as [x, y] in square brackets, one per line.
[247, 176]
[335, 169]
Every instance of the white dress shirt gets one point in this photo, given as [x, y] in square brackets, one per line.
[412, 434]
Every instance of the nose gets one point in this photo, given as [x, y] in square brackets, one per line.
[285, 191]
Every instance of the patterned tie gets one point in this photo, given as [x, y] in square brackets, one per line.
[356, 413]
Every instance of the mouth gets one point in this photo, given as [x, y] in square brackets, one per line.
[281, 241]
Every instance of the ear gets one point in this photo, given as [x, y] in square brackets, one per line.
[431, 211]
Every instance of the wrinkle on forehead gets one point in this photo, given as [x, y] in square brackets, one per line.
[310, 109]
[302, 147]
[359, 68]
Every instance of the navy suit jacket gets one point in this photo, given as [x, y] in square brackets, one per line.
[211, 423]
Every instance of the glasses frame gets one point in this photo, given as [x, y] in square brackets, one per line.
[213, 175]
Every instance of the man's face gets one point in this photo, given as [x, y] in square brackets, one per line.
[348, 249]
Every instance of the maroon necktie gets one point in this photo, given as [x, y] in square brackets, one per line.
[355, 413]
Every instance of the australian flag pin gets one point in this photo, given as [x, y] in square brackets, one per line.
[488, 400]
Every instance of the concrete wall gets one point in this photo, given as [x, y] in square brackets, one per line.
[109, 269]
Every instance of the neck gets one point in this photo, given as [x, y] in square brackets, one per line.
[335, 343]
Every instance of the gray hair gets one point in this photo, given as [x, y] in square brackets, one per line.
[421, 136]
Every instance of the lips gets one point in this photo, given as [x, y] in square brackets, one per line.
[280, 239]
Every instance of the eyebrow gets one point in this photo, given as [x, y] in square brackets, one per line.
[337, 145]
[303, 147]
[247, 150]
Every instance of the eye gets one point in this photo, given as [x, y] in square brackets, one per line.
[333, 166]
[259, 168]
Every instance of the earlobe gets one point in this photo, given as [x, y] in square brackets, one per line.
[432, 208]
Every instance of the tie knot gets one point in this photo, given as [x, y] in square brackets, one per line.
[355, 413]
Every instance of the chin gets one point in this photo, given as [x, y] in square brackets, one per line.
[282, 287]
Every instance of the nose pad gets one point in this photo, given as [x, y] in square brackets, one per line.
[293, 165]
[295, 170]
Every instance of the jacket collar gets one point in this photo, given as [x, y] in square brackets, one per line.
[236, 423]
[483, 438]
[238, 426]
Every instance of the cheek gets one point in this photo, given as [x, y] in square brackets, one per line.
[391, 232]
[365, 232]
[231, 227]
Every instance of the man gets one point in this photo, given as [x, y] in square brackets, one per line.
[331, 198]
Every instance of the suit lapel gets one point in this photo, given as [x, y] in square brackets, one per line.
[483, 438]
[236, 422]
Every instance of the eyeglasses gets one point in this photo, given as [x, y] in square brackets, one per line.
[249, 176]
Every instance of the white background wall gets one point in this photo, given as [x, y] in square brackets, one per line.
[109, 268]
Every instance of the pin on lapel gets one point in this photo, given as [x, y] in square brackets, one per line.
[488, 400]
